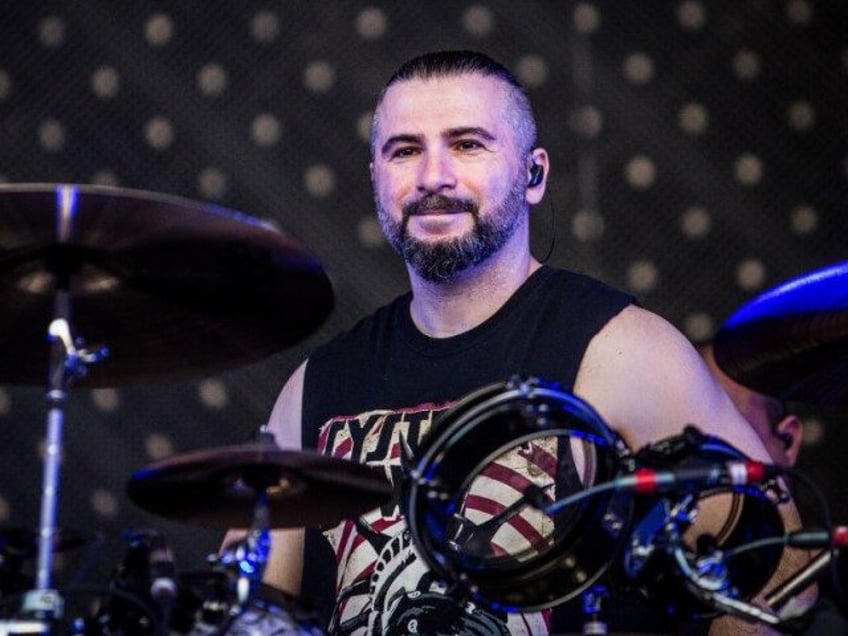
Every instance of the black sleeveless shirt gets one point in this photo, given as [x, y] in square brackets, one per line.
[385, 362]
[384, 373]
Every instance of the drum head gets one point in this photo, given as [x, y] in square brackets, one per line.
[479, 501]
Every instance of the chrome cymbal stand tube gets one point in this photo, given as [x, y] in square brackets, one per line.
[67, 363]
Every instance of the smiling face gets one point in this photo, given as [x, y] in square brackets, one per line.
[448, 174]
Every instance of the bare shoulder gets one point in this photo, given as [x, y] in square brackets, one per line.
[284, 421]
[648, 382]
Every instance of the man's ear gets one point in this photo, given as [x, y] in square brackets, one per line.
[790, 431]
[538, 170]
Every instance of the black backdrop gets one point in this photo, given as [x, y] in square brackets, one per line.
[699, 151]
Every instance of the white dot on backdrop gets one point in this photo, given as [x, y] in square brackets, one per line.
[695, 222]
[105, 82]
[265, 130]
[105, 178]
[845, 60]
[371, 23]
[698, 326]
[799, 12]
[5, 85]
[363, 126]
[587, 225]
[213, 394]
[638, 68]
[158, 446]
[750, 274]
[804, 219]
[801, 115]
[478, 21]
[748, 169]
[586, 121]
[212, 80]
[104, 503]
[692, 15]
[812, 432]
[640, 172]
[51, 31]
[642, 276]
[105, 400]
[265, 26]
[693, 118]
[159, 29]
[319, 76]
[51, 135]
[5, 509]
[586, 18]
[532, 70]
[212, 183]
[369, 232]
[5, 402]
[159, 133]
[746, 64]
[319, 180]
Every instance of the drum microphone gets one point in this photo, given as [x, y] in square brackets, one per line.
[163, 584]
[731, 473]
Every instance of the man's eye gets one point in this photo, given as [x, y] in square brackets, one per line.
[467, 144]
[404, 152]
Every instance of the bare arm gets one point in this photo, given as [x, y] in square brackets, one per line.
[648, 382]
[285, 565]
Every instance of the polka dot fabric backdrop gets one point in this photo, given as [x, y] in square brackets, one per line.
[699, 152]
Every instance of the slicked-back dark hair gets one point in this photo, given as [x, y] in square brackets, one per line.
[456, 63]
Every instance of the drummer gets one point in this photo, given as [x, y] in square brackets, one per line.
[455, 168]
[781, 431]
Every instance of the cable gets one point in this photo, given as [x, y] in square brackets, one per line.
[553, 234]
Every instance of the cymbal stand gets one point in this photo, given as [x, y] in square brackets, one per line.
[67, 363]
[248, 557]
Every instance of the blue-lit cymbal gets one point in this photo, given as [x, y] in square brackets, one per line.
[792, 341]
[220, 487]
[172, 287]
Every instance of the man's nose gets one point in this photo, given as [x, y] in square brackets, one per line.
[436, 172]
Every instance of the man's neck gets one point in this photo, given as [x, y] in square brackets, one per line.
[441, 310]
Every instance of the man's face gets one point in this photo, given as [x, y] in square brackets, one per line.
[449, 179]
[779, 431]
[763, 412]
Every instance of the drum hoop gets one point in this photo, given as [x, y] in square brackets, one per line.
[568, 417]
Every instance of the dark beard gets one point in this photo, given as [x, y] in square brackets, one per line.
[441, 261]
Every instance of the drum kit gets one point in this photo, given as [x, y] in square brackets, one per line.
[118, 286]
[122, 286]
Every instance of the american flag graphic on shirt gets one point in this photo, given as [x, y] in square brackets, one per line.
[383, 587]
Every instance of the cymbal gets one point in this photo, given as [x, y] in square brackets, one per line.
[171, 286]
[218, 487]
[22, 543]
[792, 341]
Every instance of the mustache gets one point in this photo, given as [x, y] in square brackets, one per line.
[438, 202]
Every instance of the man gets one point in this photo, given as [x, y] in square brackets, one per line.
[455, 168]
[779, 430]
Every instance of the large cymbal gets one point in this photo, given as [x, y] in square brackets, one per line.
[171, 286]
[22, 543]
[304, 488]
[792, 341]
